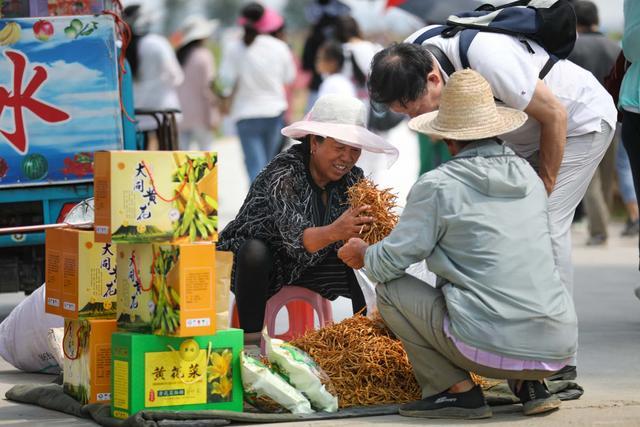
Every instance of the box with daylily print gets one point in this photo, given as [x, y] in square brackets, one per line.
[156, 196]
[158, 372]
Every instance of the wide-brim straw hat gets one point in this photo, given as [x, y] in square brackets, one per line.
[468, 111]
[195, 27]
[342, 118]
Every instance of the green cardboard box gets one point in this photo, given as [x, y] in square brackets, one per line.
[160, 372]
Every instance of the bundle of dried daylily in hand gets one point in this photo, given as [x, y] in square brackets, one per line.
[366, 365]
[382, 203]
[365, 362]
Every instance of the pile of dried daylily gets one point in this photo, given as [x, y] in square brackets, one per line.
[366, 364]
[382, 203]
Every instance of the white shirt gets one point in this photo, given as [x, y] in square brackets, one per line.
[259, 73]
[337, 84]
[363, 52]
[159, 74]
[512, 71]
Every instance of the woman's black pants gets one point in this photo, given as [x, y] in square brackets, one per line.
[253, 270]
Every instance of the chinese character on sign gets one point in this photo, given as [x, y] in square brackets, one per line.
[134, 302]
[111, 290]
[106, 249]
[106, 263]
[175, 373]
[140, 170]
[139, 186]
[144, 213]
[158, 373]
[151, 196]
[193, 370]
[17, 99]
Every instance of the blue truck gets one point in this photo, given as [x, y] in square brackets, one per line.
[61, 99]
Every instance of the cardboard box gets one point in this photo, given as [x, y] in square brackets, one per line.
[155, 372]
[156, 196]
[87, 359]
[80, 275]
[167, 289]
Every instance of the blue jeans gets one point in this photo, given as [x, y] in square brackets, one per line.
[260, 139]
[625, 179]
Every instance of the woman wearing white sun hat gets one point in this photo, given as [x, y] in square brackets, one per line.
[199, 104]
[296, 213]
[481, 223]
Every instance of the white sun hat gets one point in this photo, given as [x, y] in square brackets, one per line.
[342, 118]
[195, 27]
[468, 111]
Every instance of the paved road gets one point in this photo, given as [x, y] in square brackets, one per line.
[609, 357]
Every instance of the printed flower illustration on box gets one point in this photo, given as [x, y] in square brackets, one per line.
[219, 376]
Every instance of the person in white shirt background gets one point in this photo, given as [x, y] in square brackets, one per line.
[254, 72]
[155, 68]
[200, 106]
[329, 64]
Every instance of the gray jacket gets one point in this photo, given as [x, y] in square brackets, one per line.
[480, 222]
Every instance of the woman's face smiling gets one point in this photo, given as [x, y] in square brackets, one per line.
[331, 160]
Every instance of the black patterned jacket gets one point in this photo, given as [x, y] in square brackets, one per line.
[282, 202]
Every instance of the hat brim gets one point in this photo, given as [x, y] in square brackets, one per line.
[352, 135]
[509, 119]
[202, 32]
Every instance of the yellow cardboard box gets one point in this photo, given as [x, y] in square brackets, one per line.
[87, 359]
[80, 275]
[167, 289]
[156, 196]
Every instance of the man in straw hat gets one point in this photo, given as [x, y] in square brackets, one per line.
[571, 117]
[480, 221]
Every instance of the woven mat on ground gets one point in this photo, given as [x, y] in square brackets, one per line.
[51, 396]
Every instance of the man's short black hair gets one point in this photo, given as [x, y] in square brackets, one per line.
[586, 13]
[398, 73]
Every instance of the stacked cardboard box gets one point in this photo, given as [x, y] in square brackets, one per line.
[81, 286]
[160, 208]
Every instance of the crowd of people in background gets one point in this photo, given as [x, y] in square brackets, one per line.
[253, 86]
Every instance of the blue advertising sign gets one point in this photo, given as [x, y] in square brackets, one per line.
[59, 98]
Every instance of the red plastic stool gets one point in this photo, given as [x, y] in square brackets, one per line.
[301, 303]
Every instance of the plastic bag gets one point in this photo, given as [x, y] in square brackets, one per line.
[224, 264]
[368, 287]
[24, 334]
[301, 372]
[260, 382]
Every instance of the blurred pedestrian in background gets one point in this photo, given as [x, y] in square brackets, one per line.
[254, 73]
[595, 52]
[329, 64]
[156, 71]
[358, 54]
[200, 111]
[627, 193]
[629, 101]
[323, 16]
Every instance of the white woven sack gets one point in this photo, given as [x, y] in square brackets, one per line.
[24, 334]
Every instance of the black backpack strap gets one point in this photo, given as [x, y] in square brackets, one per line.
[466, 37]
[440, 56]
[432, 32]
[548, 66]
